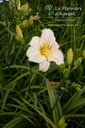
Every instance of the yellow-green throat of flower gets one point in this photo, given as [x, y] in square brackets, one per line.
[46, 50]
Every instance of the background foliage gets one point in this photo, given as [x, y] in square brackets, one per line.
[29, 98]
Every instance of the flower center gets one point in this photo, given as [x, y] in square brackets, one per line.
[46, 50]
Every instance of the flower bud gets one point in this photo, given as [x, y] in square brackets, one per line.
[24, 23]
[77, 62]
[31, 20]
[19, 5]
[13, 1]
[63, 126]
[19, 39]
[69, 56]
[3, 23]
[61, 122]
[24, 7]
[76, 86]
[19, 31]
[78, 89]
[66, 72]
[83, 53]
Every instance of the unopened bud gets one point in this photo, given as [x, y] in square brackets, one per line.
[3, 23]
[19, 5]
[19, 39]
[69, 56]
[13, 1]
[79, 61]
[19, 31]
[24, 23]
[31, 20]
[24, 7]
[83, 53]
[63, 126]
[78, 89]
[66, 72]
[61, 122]
[76, 86]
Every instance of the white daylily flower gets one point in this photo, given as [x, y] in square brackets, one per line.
[44, 50]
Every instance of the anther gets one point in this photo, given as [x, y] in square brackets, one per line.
[49, 47]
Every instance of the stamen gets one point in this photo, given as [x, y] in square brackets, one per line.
[45, 50]
[49, 47]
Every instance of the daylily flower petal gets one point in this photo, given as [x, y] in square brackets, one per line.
[47, 37]
[55, 45]
[35, 40]
[43, 66]
[34, 55]
[57, 57]
[60, 59]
